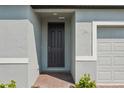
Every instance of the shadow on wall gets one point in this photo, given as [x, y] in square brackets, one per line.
[34, 19]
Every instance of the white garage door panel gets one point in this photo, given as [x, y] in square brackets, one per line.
[112, 68]
[118, 53]
[105, 75]
[118, 46]
[110, 64]
[110, 76]
[104, 60]
[118, 75]
[118, 60]
[104, 46]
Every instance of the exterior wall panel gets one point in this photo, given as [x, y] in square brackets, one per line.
[14, 71]
[20, 40]
[83, 67]
[13, 12]
[13, 40]
[89, 15]
[83, 39]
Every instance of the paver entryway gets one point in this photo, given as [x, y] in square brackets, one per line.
[54, 80]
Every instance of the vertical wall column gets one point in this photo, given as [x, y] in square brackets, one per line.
[85, 59]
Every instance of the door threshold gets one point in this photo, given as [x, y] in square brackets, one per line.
[43, 72]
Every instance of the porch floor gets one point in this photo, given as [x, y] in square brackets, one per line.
[54, 80]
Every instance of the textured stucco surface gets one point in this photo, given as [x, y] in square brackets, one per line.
[16, 44]
[83, 38]
[20, 38]
[89, 15]
[13, 12]
[83, 67]
[13, 39]
[15, 71]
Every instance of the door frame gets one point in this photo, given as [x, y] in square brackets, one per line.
[44, 65]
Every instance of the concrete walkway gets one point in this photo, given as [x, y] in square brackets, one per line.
[54, 80]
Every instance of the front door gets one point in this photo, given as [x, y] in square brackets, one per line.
[56, 44]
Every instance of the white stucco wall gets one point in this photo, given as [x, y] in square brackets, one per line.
[83, 38]
[34, 45]
[13, 39]
[83, 67]
[84, 49]
[14, 71]
[20, 39]
[17, 45]
[14, 61]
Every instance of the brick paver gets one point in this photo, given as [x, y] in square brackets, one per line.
[54, 80]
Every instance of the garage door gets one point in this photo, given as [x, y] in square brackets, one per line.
[110, 63]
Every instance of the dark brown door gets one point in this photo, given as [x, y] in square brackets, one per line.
[56, 45]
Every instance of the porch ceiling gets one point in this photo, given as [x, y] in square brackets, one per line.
[51, 15]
